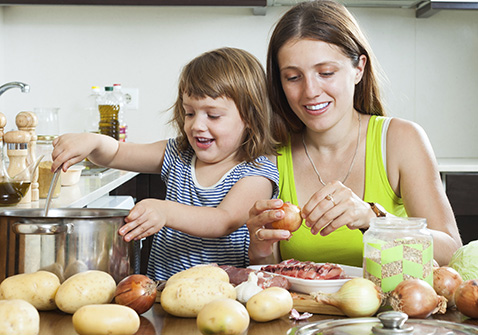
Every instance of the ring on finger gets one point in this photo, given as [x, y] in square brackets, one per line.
[330, 198]
[257, 235]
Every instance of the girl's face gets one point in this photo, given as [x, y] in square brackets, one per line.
[318, 81]
[214, 128]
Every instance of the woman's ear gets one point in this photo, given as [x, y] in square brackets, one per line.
[360, 68]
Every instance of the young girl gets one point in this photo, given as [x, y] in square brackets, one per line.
[214, 170]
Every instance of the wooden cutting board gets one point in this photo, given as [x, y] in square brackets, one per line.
[302, 303]
[306, 303]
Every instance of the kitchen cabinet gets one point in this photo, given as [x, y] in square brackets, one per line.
[462, 191]
[234, 3]
[143, 186]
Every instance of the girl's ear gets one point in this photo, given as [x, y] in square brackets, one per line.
[360, 68]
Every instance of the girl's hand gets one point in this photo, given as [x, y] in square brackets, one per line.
[70, 149]
[262, 237]
[145, 219]
[335, 206]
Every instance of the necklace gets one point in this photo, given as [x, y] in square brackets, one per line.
[351, 164]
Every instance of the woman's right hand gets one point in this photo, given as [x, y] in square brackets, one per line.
[262, 237]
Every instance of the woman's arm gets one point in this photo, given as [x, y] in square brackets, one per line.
[414, 176]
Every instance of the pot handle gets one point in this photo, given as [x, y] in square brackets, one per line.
[41, 228]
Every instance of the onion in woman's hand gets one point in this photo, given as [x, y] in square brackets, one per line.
[466, 298]
[136, 291]
[417, 299]
[445, 282]
[292, 219]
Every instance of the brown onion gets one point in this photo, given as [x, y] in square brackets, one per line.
[466, 298]
[445, 282]
[417, 299]
[136, 291]
[358, 297]
[292, 219]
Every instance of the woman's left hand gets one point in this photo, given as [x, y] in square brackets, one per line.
[334, 206]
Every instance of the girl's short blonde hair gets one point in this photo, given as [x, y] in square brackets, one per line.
[235, 74]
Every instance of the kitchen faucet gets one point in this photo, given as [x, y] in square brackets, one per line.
[24, 87]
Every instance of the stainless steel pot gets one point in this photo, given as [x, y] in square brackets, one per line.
[67, 241]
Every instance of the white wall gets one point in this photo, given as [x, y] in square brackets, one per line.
[61, 51]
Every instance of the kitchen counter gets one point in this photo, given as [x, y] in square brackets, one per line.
[87, 190]
[156, 321]
[447, 165]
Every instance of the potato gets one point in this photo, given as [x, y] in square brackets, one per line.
[223, 316]
[38, 288]
[106, 319]
[85, 288]
[269, 304]
[18, 317]
[201, 271]
[186, 297]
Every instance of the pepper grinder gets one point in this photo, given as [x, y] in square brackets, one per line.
[27, 121]
[17, 151]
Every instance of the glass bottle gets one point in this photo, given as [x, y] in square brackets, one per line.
[396, 249]
[45, 147]
[109, 107]
[120, 96]
[91, 110]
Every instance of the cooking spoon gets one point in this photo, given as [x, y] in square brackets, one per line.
[53, 182]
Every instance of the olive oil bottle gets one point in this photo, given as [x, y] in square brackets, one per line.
[109, 109]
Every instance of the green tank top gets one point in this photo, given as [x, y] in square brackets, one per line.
[343, 246]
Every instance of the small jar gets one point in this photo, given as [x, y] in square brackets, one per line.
[45, 147]
[396, 249]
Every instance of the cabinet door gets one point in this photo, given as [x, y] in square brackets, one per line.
[462, 191]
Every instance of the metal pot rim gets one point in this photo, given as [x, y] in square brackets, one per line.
[70, 213]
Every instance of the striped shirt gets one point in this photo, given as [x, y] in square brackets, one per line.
[172, 250]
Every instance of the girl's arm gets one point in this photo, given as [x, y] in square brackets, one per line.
[149, 215]
[104, 150]
[413, 174]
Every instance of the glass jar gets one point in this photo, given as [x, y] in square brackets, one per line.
[396, 249]
[45, 147]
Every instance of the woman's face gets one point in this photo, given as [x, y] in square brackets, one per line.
[318, 81]
[214, 128]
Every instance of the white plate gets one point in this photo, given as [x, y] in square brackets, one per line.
[316, 285]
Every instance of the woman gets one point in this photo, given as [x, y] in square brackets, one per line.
[341, 160]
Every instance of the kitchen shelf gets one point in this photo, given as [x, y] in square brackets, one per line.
[235, 3]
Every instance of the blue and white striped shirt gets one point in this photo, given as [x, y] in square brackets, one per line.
[172, 250]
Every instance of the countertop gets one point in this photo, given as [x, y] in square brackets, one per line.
[450, 165]
[156, 321]
[87, 190]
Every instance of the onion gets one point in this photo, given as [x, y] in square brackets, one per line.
[445, 282]
[357, 297]
[466, 298]
[292, 219]
[136, 291]
[417, 299]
